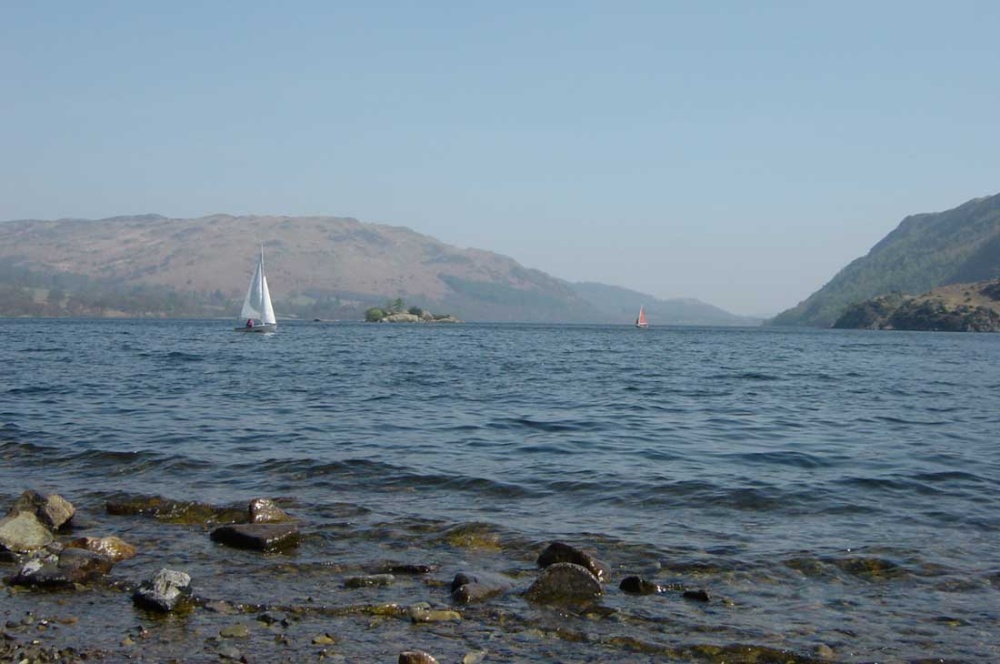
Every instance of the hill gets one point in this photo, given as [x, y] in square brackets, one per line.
[622, 305]
[924, 252]
[954, 308]
[329, 267]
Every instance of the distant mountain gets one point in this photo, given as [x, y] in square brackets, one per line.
[925, 251]
[329, 267]
[622, 305]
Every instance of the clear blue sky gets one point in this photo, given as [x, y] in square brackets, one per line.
[737, 152]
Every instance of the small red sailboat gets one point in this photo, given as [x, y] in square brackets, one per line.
[640, 321]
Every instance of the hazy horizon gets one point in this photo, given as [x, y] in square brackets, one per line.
[739, 154]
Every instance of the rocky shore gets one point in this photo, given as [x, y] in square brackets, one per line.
[954, 308]
[65, 603]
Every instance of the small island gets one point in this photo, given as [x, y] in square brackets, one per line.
[395, 312]
[971, 307]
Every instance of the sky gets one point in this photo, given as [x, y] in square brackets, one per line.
[740, 153]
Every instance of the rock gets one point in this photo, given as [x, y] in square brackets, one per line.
[264, 510]
[24, 533]
[401, 317]
[52, 510]
[419, 614]
[258, 536]
[564, 582]
[175, 511]
[558, 552]
[369, 581]
[237, 631]
[389, 567]
[110, 546]
[323, 640]
[825, 652]
[638, 586]
[65, 570]
[467, 588]
[163, 592]
[695, 595]
[416, 657]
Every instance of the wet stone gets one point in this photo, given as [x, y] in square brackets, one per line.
[237, 631]
[112, 547]
[406, 569]
[559, 552]
[370, 581]
[64, 570]
[638, 586]
[564, 582]
[163, 592]
[471, 587]
[23, 533]
[419, 614]
[53, 511]
[416, 657]
[174, 511]
[265, 510]
[258, 536]
[695, 595]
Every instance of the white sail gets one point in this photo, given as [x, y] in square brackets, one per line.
[266, 310]
[253, 302]
[257, 310]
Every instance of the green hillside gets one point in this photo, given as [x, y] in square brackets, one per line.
[924, 252]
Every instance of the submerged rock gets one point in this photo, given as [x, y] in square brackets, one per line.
[164, 592]
[564, 582]
[421, 614]
[258, 536]
[695, 595]
[53, 511]
[63, 570]
[390, 567]
[370, 581]
[175, 511]
[24, 533]
[467, 588]
[638, 586]
[559, 552]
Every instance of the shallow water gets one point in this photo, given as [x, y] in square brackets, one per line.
[835, 492]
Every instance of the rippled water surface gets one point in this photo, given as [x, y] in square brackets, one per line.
[835, 493]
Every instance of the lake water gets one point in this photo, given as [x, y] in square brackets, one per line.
[836, 493]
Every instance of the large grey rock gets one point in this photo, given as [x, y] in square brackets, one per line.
[559, 552]
[24, 533]
[163, 592]
[258, 536]
[564, 582]
[52, 510]
[64, 570]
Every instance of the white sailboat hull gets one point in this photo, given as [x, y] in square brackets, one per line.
[257, 328]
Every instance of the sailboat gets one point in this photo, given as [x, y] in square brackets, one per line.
[257, 314]
[640, 320]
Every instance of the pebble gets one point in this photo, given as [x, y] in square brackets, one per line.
[237, 631]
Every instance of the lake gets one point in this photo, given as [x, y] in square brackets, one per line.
[835, 493]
